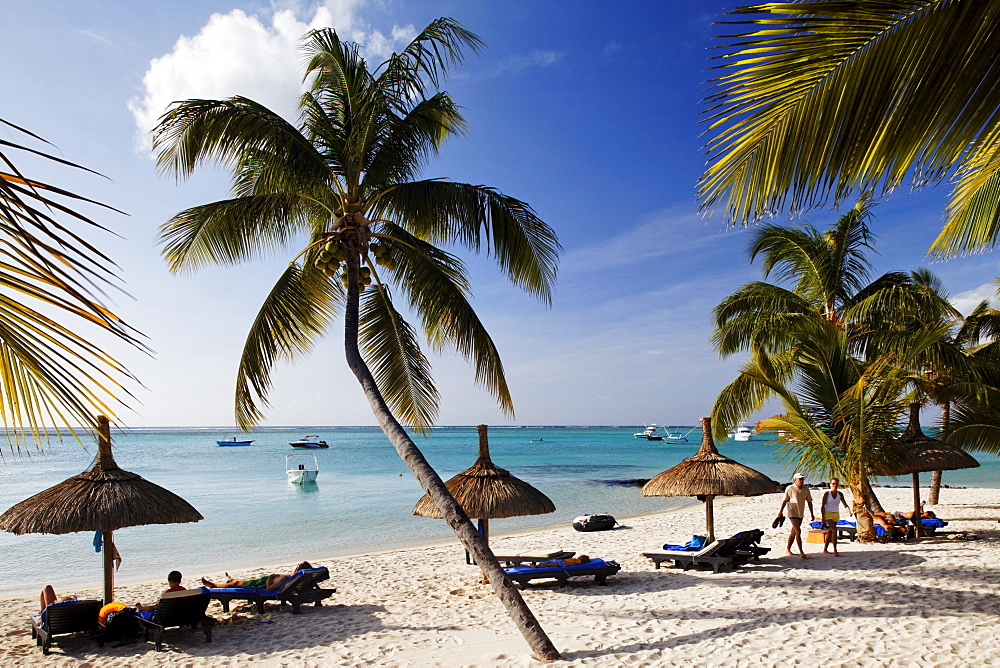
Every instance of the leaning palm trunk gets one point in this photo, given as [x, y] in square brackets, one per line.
[432, 484]
[934, 495]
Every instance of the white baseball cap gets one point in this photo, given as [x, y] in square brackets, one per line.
[798, 475]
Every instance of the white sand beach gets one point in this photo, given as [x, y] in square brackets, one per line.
[934, 603]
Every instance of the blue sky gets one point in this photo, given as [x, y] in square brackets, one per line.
[589, 111]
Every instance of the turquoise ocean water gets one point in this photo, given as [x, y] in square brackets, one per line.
[360, 502]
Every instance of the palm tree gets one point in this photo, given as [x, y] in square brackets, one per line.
[52, 373]
[820, 338]
[820, 100]
[957, 371]
[346, 178]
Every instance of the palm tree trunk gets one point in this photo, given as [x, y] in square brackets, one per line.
[432, 484]
[934, 494]
[871, 500]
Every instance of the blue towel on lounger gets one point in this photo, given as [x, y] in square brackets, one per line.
[932, 523]
[696, 543]
[562, 567]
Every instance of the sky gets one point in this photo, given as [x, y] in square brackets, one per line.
[589, 111]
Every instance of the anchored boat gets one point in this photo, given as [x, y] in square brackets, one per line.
[233, 441]
[301, 468]
[311, 441]
[650, 433]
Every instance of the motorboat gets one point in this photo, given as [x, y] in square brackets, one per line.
[234, 442]
[677, 437]
[650, 433]
[742, 433]
[301, 469]
[310, 441]
[594, 522]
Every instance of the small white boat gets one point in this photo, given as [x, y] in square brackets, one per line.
[677, 437]
[301, 468]
[233, 442]
[742, 433]
[650, 433]
[311, 441]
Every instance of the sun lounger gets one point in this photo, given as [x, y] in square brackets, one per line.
[533, 558]
[65, 617]
[749, 546]
[302, 587]
[562, 572]
[177, 608]
[845, 529]
[719, 554]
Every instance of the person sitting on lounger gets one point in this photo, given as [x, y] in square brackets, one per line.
[269, 582]
[47, 598]
[174, 582]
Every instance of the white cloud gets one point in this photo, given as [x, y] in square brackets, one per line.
[251, 55]
[515, 64]
[968, 300]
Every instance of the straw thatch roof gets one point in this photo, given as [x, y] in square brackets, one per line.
[924, 453]
[102, 498]
[709, 473]
[486, 491]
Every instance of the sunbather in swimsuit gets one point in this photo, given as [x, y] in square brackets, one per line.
[269, 582]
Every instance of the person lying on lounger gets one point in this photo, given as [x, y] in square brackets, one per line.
[174, 582]
[924, 515]
[269, 582]
[892, 527]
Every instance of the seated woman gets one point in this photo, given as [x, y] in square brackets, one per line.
[269, 582]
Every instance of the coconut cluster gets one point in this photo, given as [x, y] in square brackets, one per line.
[331, 257]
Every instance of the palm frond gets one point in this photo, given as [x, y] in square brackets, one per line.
[234, 230]
[426, 59]
[437, 288]
[442, 212]
[401, 371]
[225, 131]
[821, 99]
[294, 315]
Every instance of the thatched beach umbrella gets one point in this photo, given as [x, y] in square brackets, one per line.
[709, 474]
[102, 498]
[924, 453]
[486, 491]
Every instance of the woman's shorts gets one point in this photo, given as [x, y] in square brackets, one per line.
[831, 518]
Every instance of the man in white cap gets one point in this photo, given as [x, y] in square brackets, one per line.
[797, 496]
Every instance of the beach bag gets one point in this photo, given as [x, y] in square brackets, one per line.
[122, 625]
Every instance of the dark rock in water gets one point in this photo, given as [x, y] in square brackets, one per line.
[634, 482]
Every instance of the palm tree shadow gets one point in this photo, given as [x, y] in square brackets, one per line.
[862, 601]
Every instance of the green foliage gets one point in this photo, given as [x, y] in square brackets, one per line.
[816, 102]
[52, 373]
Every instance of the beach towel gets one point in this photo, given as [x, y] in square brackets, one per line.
[693, 545]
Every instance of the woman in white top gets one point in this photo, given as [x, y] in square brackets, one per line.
[830, 505]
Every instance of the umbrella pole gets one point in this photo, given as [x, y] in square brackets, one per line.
[917, 523]
[710, 517]
[109, 570]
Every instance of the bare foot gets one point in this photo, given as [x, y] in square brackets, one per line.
[208, 584]
[803, 555]
[788, 553]
[836, 554]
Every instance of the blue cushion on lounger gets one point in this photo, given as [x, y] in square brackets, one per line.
[932, 523]
[562, 567]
